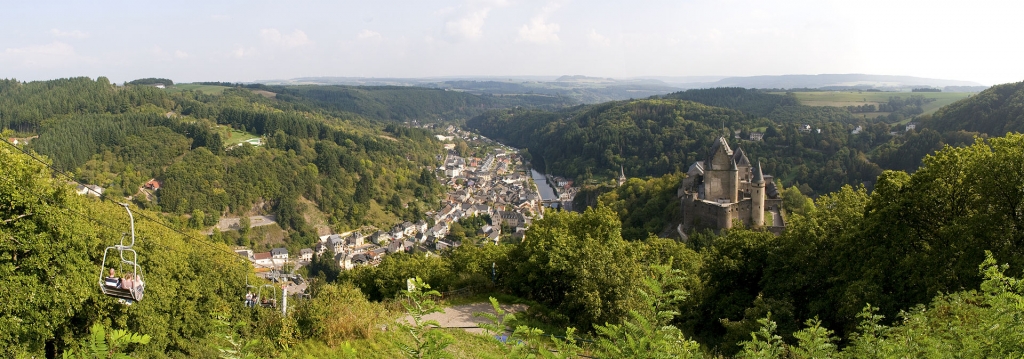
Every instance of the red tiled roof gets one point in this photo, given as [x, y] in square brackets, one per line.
[259, 256]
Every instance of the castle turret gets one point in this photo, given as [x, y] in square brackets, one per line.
[757, 198]
[734, 183]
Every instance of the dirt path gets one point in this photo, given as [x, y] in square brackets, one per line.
[231, 224]
[461, 316]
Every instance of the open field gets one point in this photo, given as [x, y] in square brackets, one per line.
[216, 90]
[232, 136]
[857, 98]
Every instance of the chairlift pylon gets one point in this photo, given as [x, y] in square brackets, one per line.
[128, 288]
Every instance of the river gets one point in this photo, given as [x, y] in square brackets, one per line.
[546, 191]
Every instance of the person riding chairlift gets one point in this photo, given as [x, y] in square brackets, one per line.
[112, 280]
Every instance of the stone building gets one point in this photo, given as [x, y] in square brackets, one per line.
[725, 188]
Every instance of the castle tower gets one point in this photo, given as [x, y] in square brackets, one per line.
[757, 197]
[622, 176]
[720, 174]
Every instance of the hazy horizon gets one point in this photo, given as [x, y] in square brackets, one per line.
[243, 41]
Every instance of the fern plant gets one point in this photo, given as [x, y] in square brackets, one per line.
[427, 342]
[647, 332]
[525, 342]
[103, 345]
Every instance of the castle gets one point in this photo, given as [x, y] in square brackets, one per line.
[725, 188]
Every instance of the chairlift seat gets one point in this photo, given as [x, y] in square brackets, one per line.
[123, 293]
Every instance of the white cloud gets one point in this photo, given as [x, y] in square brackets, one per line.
[295, 39]
[55, 54]
[369, 35]
[597, 39]
[469, 26]
[180, 54]
[241, 52]
[539, 31]
[75, 34]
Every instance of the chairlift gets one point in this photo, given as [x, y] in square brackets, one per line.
[128, 290]
[267, 302]
[250, 289]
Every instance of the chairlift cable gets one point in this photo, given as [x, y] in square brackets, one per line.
[143, 215]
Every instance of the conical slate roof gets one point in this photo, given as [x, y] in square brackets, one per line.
[758, 176]
[741, 158]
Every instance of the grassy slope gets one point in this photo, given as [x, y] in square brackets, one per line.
[216, 90]
[232, 136]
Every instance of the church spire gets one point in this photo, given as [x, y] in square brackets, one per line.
[622, 175]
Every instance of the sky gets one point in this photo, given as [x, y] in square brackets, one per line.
[186, 41]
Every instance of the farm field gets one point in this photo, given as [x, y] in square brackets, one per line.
[857, 98]
[216, 90]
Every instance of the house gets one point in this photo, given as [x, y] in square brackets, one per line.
[90, 189]
[355, 239]
[494, 237]
[408, 228]
[279, 253]
[445, 244]
[911, 126]
[485, 230]
[264, 259]
[439, 230]
[396, 246]
[857, 130]
[152, 184]
[512, 219]
[756, 136]
[804, 129]
[306, 255]
[421, 226]
[397, 232]
[380, 238]
[320, 248]
[336, 243]
[421, 238]
[453, 172]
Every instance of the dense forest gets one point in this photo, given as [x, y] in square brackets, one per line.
[813, 147]
[402, 104]
[656, 136]
[353, 170]
[750, 101]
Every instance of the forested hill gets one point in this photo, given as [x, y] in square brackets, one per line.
[406, 103]
[52, 243]
[307, 165]
[645, 136]
[995, 111]
[750, 101]
[659, 136]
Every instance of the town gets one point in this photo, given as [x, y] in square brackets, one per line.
[496, 187]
